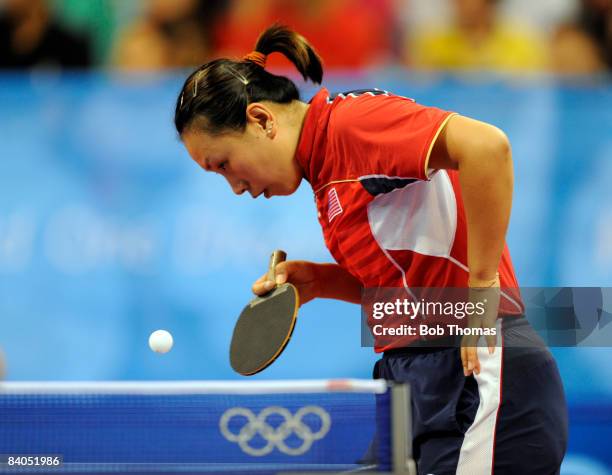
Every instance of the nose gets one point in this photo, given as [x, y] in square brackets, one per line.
[239, 186]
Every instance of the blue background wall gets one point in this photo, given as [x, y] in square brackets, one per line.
[108, 231]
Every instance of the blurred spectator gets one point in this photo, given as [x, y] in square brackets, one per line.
[346, 33]
[170, 34]
[96, 17]
[575, 53]
[596, 20]
[542, 15]
[30, 37]
[584, 46]
[476, 39]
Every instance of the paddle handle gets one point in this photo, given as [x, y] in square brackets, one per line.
[276, 257]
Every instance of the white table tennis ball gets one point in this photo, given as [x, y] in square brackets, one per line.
[161, 341]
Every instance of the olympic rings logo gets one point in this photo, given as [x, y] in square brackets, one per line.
[275, 436]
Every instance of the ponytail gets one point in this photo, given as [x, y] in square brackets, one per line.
[214, 98]
[279, 39]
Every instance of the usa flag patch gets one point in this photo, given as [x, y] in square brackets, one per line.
[334, 208]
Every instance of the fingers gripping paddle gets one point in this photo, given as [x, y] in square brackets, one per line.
[265, 325]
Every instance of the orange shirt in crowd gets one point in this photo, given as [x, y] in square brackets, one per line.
[346, 33]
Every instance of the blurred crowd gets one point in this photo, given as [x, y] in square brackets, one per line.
[564, 37]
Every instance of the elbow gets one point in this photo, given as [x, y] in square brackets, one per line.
[491, 152]
[499, 146]
[474, 144]
[489, 157]
[500, 158]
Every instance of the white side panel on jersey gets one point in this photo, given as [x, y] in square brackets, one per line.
[421, 217]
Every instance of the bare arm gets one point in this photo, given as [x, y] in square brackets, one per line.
[481, 153]
[337, 283]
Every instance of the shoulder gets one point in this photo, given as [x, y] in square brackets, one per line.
[369, 109]
[373, 114]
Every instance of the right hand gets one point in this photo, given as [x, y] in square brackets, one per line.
[487, 292]
[302, 274]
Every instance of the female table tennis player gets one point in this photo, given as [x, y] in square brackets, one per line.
[407, 196]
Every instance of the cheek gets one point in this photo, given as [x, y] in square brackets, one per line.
[251, 168]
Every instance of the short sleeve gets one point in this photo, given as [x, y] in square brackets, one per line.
[386, 135]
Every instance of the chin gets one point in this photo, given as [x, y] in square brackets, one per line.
[294, 186]
[284, 189]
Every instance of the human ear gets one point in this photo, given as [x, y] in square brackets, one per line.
[262, 117]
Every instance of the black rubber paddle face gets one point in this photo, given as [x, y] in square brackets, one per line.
[263, 330]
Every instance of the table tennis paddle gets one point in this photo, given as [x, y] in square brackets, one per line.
[265, 325]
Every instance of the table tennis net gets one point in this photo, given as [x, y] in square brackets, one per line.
[208, 426]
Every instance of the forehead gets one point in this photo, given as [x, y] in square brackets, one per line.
[200, 141]
[201, 145]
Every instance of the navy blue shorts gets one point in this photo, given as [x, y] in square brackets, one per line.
[510, 419]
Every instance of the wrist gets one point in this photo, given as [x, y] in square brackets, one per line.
[479, 282]
[318, 273]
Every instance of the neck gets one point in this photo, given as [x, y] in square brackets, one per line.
[300, 109]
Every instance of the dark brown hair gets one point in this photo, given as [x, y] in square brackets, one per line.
[215, 96]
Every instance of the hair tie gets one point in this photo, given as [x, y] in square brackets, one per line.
[256, 57]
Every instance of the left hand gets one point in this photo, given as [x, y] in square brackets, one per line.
[487, 292]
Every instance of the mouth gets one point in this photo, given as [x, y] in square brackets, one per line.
[262, 192]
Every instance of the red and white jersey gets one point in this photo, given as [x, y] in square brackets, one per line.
[386, 218]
